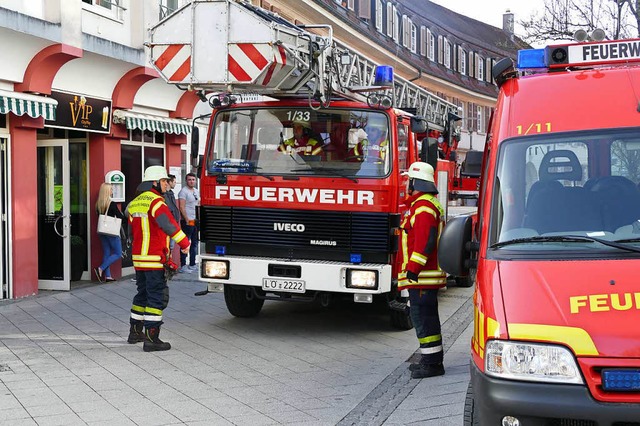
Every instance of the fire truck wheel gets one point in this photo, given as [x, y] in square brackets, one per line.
[240, 303]
[464, 282]
[400, 319]
[470, 419]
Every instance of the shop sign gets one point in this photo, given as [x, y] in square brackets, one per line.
[80, 112]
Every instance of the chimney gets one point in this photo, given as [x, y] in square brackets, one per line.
[508, 22]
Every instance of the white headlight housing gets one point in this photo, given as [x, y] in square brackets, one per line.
[215, 269]
[364, 279]
[535, 362]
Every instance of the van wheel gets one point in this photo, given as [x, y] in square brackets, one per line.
[400, 319]
[470, 417]
[241, 302]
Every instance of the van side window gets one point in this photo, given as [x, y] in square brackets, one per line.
[625, 160]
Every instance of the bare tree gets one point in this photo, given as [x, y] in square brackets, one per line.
[562, 18]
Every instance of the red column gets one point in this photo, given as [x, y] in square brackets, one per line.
[104, 156]
[24, 206]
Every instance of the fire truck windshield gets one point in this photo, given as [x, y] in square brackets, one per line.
[300, 141]
[567, 185]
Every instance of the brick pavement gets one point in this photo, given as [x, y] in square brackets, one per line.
[64, 361]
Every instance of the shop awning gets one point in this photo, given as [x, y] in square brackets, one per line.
[24, 103]
[136, 120]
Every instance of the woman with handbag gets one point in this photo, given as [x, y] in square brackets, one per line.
[111, 243]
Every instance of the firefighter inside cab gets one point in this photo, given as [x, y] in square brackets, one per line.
[420, 272]
[374, 147]
[302, 142]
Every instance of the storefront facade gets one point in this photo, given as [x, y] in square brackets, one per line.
[75, 105]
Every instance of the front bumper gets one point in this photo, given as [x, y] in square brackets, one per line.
[319, 276]
[541, 404]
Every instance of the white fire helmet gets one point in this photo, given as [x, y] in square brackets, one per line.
[155, 173]
[422, 176]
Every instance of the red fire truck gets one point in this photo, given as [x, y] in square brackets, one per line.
[556, 249]
[302, 193]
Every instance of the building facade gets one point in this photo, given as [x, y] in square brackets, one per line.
[80, 103]
[77, 101]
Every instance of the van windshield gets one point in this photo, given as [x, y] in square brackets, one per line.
[301, 141]
[551, 188]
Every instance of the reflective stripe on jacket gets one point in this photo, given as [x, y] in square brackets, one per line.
[152, 225]
[305, 146]
[424, 216]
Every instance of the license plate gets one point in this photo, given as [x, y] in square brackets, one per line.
[274, 284]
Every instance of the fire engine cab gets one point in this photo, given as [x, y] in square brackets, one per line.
[556, 249]
[302, 191]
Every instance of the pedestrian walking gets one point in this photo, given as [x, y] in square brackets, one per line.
[170, 199]
[188, 202]
[111, 244]
[420, 274]
[151, 222]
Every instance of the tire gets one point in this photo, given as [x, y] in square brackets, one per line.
[467, 281]
[239, 304]
[400, 319]
[470, 417]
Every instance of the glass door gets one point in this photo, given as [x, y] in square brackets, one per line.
[53, 215]
[5, 255]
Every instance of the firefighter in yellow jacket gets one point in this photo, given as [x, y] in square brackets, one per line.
[152, 225]
[420, 272]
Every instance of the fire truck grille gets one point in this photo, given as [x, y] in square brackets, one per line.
[326, 230]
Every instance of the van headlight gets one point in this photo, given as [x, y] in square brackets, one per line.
[215, 269]
[531, 362]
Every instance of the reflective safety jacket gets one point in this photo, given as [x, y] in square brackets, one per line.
[371, 151]
[421, 229]
[303, 146]
[152, 225]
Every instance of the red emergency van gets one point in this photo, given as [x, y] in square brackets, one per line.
[556, 248]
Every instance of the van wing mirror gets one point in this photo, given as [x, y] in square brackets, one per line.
[418, 124]
[454, 247]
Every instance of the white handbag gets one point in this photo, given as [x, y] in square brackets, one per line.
[109, 225]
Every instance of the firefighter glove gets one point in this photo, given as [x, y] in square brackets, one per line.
[412, 276]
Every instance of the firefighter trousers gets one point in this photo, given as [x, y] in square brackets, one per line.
[426, 320]
[151, 299]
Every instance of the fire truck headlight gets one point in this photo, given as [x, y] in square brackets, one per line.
[531, 362]
[215, 269]
[365, 279]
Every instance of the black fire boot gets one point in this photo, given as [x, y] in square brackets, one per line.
[427, 370]
[136, 334]
[153, 343]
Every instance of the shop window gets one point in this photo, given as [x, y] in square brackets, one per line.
[3, 121]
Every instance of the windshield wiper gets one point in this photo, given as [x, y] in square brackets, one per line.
[542, 239]
[567, 239]
[264, 175]
[328, 171]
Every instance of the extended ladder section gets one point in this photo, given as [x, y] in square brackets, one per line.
[231, 46]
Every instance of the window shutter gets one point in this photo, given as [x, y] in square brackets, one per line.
[389, 19]
[405, 31]
[364, 9]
